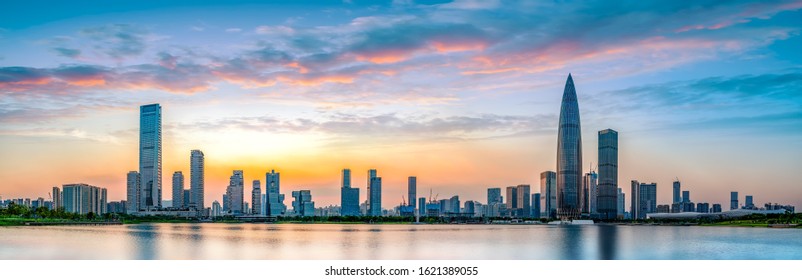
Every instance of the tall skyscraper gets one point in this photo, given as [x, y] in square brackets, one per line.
[196, 180]
[548, 194]
[256, 198]
[132, 201]
[374, 194]
[536, 205]
[235, 193]
[733, 200]
[590, 191]
[677, 190]
[607, 197]
[412, 189]
[150, 156]
[275, 200]
[524, 204]
[349, 197]
[178, 190]
[569, 155]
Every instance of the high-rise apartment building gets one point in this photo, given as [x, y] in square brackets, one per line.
[349, 196]
[235, 193]
[256, 198]
[196, 180]
[374, 194]
[83, 199]
[132, 201]
[275, 200]
[412, 189]
[178, 190]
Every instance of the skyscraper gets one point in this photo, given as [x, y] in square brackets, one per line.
[590, 192]
[548, 194]
[422, 206]
[686, 196]
[607, 197]
[644, 199]
[536, 205]
[132, 199]
[57, 199]
[454, 203]
[733, 200]
[178, 190]
[749, 204]
[512, 200]
[412, 189]
[349, 197]
[275, 200]
[622, 200]
[150, 156]
[196, 178]
[677, 189]
[235, 193]
[493, 196]
[524, 204]
[256, 198]
[569, 154]
[303, 205]
[374, 194]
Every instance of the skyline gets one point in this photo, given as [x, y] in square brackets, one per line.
[713, 105]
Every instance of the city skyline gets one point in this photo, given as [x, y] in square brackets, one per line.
[707, 96]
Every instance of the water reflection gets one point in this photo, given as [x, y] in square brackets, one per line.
[607, 242]
[572, 241]
[144, 238]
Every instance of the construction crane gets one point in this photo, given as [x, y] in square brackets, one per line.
[403, 201]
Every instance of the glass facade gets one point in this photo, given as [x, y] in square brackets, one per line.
[196, 167]
[178, 190]
[349, 197]
[150, 156]
[569, 155]
[607, 197]
[548, 192]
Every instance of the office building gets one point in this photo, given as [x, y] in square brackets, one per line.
[235, 193]
[590, 192]
[57, 199]
[196, 180]
[422, 206]
[569, 155]
[536, 205]
[607, 197]
[677, 188]
[349, 197]
[686, 196]
[644, 199]
[493, 196]
[178, 190]
[275, 200]
[702, 207]
[374, 194]
[548, 194]
[716, 208]
[470, 208]
[412, 189]
[150, 157]
[622, 200]
[302, 204]
[749, 204]
[187, 196]
[256, 198]
[733, 200]
[132, 201]
[512, 199]
[524, 205]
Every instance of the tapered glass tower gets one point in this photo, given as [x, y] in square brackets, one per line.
[569, 155]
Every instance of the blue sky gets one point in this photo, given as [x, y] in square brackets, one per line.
[463, 94]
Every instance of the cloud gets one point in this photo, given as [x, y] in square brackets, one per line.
[117, 40]
[62, 133]
[389, 126]
[233, 30]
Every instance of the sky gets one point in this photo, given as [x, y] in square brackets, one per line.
[465, 95]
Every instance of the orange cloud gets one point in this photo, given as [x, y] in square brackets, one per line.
[446, 47]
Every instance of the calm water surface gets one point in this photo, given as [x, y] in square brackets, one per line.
[336, 241]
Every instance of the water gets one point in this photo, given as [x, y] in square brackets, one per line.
[362, 241]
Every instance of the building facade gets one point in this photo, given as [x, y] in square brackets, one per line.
[256, 198]
[132, 201]
[178, 190]
[569, 155]
[607, 197]
[349, 196]
[302, 204]
[196, 180]
[275, 200]
[84, 199]
[235, 193]
[150, 157]
[548, 194]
